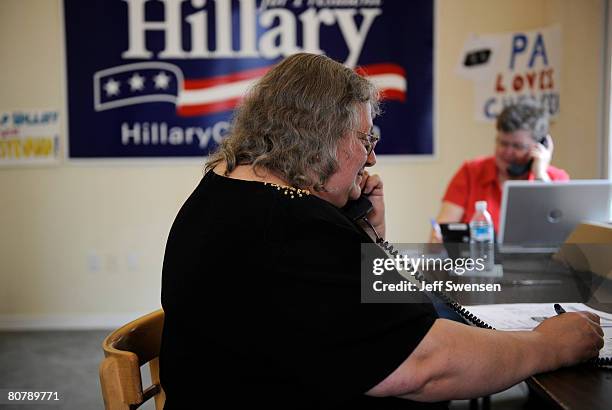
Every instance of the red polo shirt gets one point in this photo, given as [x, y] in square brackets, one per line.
[477, 180]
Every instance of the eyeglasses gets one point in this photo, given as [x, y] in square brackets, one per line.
[370, 141]
[514, 145]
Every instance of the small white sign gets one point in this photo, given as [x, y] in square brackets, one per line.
[510, 67]
[29, 137]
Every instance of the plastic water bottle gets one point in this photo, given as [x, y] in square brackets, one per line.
[481, 236]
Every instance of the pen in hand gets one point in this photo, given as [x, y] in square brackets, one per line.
[559, 309]
[604, 322]
[436, 227]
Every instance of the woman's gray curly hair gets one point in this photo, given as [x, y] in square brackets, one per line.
[526, 115]
[292, 119]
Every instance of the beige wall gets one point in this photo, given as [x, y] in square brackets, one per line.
[57, 221]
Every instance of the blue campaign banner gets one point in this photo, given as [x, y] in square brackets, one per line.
[160, 78]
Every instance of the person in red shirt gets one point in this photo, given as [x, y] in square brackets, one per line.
[523, 150]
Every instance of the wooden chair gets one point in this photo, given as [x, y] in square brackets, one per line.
[125, 350]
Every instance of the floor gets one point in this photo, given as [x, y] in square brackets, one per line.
[62, 361]
[67, 362]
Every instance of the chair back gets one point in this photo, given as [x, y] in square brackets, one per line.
[125, 350]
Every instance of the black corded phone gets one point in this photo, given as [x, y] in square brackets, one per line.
[517, 170]
[359, 208]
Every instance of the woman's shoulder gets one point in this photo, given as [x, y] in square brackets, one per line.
[478, 163]
[303, 211]
[557, 174]
[283, 207]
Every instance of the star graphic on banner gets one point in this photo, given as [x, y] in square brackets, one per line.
[111, 87]
[161, 80]
[136, 82]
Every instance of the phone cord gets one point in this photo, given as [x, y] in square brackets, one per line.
[380, 241]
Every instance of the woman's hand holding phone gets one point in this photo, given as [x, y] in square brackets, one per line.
[372, 187]
[541, 155]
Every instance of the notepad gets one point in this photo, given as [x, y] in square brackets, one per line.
[526, 316]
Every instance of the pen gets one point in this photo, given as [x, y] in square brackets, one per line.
[435, 226]
[559, 309]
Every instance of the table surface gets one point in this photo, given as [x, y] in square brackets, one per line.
[577, 387]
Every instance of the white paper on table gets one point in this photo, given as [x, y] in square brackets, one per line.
[526, 316]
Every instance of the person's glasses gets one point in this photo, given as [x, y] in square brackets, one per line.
[514, 145]
[370, 140]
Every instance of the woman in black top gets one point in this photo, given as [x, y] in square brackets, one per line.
[261, 277]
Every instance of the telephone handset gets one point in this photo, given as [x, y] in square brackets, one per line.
[357, 209]
[517, 170]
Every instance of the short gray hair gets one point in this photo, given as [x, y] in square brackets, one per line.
[527, 116]
[292, 119]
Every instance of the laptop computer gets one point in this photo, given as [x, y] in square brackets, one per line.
[538, 216]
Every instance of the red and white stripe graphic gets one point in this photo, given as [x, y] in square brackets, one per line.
[390, 79]
[222, 93]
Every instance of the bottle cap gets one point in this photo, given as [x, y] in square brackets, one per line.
[481, 205]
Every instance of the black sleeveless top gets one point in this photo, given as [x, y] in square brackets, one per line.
[261, 293]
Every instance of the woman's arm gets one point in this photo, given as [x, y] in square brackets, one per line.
[456, 361]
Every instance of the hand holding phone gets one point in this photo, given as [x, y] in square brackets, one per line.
[372, 187]
[371, 204]
[541, 155]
